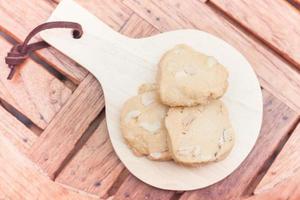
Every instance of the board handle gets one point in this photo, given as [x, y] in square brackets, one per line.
[99, 45]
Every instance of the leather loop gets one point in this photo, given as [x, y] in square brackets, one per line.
[20, 52]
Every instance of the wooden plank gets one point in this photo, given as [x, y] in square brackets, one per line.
[287, 189]
[132, 188]
[19, 22]
[275, 22]
[286, 165]
[95, 167]
[21, 179]
[34, 92]
[275, 75]
[61, 136]
[277, 122]
[112, 12]
[17, 133]
[137, 27]
[156, 14]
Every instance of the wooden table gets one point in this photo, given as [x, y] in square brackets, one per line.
[53, 137]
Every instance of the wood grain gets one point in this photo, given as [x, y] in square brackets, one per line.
[112, 12]
[17, 133]
[288, 189]
[21, 179]
[257, 18]
[34, 92]
[278, 121]
[275, 75]
[156, 14]
[61, 136]
[95, 167]
[132, 188]
[137, 27]
[286, 165]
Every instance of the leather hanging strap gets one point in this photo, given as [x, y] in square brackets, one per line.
[20, 52]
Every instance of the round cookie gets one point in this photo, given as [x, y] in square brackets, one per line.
[199, 134]
[142, 124]
[188, 78]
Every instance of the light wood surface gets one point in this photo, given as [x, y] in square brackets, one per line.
[15, 131]
[18, 173]
[141, 18]
[255, 16]
[285, 166]
[42, 94]
[95, 167]
[60, 138]
[140, 58]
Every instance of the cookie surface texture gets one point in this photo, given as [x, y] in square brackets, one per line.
[199, 134]
[142, 124]
[187, 77]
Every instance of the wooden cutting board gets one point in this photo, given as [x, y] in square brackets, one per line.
[121, 64]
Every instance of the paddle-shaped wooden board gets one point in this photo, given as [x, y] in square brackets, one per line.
[121, 64]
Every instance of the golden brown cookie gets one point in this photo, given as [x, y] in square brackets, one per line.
[187, 77]
[142, 124]
[199, 134]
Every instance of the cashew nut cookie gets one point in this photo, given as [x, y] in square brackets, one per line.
[142, 124]
[199, 134]
[188, 78]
